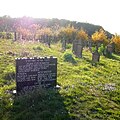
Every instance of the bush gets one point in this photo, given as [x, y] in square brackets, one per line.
[116, 41]
[37, 48]
[9, 35]
[68, 46]
[93, 49]
[9, 73]
[68, 57]
[101, 49]
[3, 35]
[6, 35]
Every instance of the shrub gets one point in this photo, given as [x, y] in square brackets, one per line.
[37, 48]
[9, 73]
[93, 49]
[9, 35]
[3, 35]
[116, 41]
[68, 46]
[101, 49]
[68, 57]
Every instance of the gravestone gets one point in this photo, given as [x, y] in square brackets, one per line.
[63, 44]
[74, 46]
[109, 49]
[15, 36]
[78, 48]
[90, 45]
[49, 41]
[33, 73]
[95, 56]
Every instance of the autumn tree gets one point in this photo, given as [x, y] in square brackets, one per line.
[68, 33]
[116, 40]
[78, 44]
[45, 35]
[33, 29]
[99, 37]
[82, 34]
[24, 33]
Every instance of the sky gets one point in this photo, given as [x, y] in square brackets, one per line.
[98, 12]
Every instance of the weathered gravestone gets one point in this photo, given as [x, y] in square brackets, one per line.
[15, 36]
[33, 73]
[95, 56]
[63, 44]
[74, 48]
[78, 48]
[109, 49]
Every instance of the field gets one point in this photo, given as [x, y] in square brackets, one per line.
[88, 91]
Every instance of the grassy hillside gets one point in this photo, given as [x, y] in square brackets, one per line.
[87, 92]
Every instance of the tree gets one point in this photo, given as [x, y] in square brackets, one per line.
[68, 33]
[79, 43]
[99, 37]
[25, 33]
[116, 40]
[82, 34]
[33, 29]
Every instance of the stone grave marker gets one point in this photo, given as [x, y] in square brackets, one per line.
[109, 49]
[78, 48]
[95, 56]
[63, 44]
[33, 73]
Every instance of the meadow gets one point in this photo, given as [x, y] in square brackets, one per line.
[88, 91]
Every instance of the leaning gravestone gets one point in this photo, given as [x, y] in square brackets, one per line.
[33, 73]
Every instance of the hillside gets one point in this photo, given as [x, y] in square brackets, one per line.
[88, 92]
[9, 24]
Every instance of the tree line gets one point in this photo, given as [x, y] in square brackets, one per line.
[54, 30]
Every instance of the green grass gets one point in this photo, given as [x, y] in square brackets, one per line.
[88, 92]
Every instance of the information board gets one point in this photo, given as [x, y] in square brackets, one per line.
[35, 72]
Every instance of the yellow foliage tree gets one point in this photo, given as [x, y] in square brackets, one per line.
[82, 34]
[24, 32]
[34, 28]
[99, 36]
[45, 31]
[67, 33]
[116, 40]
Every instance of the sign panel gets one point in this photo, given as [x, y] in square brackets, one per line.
[35, 72]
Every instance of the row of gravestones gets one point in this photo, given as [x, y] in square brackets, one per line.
[47, 39]
[78, 46]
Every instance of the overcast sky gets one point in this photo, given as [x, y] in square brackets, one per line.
[98, 12]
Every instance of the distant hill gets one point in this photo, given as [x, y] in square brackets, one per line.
[8, 24]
